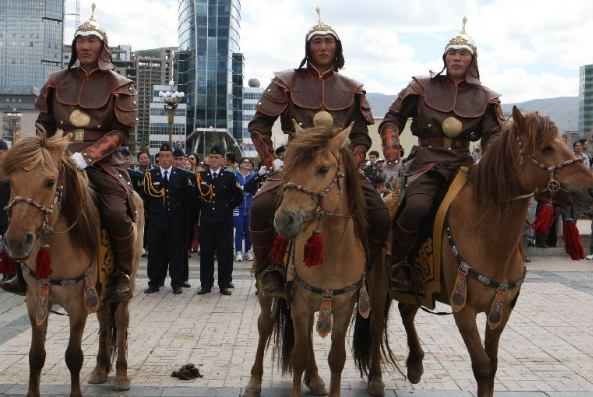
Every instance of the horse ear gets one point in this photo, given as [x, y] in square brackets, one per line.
[518, 118]
[340, 141]
[297, 127]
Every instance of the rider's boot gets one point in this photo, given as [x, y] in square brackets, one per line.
[123, 254]
[271, 276]
[11, 284]
[400, 272]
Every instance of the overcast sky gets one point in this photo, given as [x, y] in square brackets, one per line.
[528, 49]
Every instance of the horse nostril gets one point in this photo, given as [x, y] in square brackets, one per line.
[289, 219]
[28, 239]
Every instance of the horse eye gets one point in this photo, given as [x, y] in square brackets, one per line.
[547, 149]
[50, 183]
[323, 169]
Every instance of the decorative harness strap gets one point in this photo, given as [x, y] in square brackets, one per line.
[459, 293]
[324, 322]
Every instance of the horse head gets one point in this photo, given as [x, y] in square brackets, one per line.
[315, 162]
[552, 171]
[530, 158]
[33, 168]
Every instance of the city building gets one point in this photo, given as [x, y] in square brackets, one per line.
[153, 67]
[210, 64]
[158, 126]
[31, 41]
[251, 95]
[586, 100]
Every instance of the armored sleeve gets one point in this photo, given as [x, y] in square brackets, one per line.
[404, 107]
[272, 103]
[492, 122]
[46, 123]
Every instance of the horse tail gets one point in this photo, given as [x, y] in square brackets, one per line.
[361, 343]
[113, 329]
[386, 351]
[283, 336]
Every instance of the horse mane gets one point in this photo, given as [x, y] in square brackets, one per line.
[304, 148]
[494, 178]
[78, 202]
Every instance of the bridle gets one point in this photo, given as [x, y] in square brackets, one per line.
[320, 195]
[553, 186]
[47, 211]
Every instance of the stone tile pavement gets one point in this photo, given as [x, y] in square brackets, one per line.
[546, 350]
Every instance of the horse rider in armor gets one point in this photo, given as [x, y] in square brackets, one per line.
[448, 111]
[314, 88]
[98, 107]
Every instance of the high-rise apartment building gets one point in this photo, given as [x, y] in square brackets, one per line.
[586, 100]
[153, 67]
[208, 69]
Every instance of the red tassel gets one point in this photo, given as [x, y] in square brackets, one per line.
[7, 264]
[43, 269]
[314, 249]
[278, 250]
[545, 218]
[572, 241]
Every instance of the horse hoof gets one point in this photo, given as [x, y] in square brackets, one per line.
[97, 379]
[252, 393]
[414, 376]
[121, 385]
[376, 388]
[316, 386]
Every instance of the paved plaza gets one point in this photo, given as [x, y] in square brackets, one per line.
[546, 350]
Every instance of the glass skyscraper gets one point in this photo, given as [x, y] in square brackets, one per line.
[31, 42]
[586, 99]
[208, 39]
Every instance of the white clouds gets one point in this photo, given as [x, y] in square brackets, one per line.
[528, 49]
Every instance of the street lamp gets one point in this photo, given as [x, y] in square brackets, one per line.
[14, 118]
[171, 100]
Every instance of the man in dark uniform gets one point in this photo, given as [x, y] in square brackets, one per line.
[135, 176]
[167, 189]
[447, 112]
[98, 107]
[301, 95]
[178, 159]
[218, 195]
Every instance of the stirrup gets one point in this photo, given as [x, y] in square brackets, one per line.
[400, 285]
[279, 276]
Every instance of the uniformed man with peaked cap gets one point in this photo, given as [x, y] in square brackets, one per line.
[218, 195]
[167, 189]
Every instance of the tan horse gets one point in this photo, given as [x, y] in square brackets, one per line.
[486, 220]
[52, 204]
[322, 193]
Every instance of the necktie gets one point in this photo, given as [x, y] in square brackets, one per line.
[214, 175]
[167, 176]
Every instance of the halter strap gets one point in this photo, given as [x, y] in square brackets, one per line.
[66, 282]
[327, 292]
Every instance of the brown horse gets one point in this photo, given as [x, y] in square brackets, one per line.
[322, 195]
[482, 253]
[52, 205]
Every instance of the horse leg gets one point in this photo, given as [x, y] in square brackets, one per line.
[312, 380]
[103, 366]
[37, 350]
[416, 355]
[337, 352]
[491, 343]
[466, 323]
[378, 293]
[121, 382]
[300, 356]
[74, 355]
[264, 328]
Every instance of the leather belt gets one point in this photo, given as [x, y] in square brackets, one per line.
[82, 135]
[447, 143]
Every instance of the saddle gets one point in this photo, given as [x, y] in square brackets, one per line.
[425, 255]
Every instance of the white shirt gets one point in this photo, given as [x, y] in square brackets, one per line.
[168, 172]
